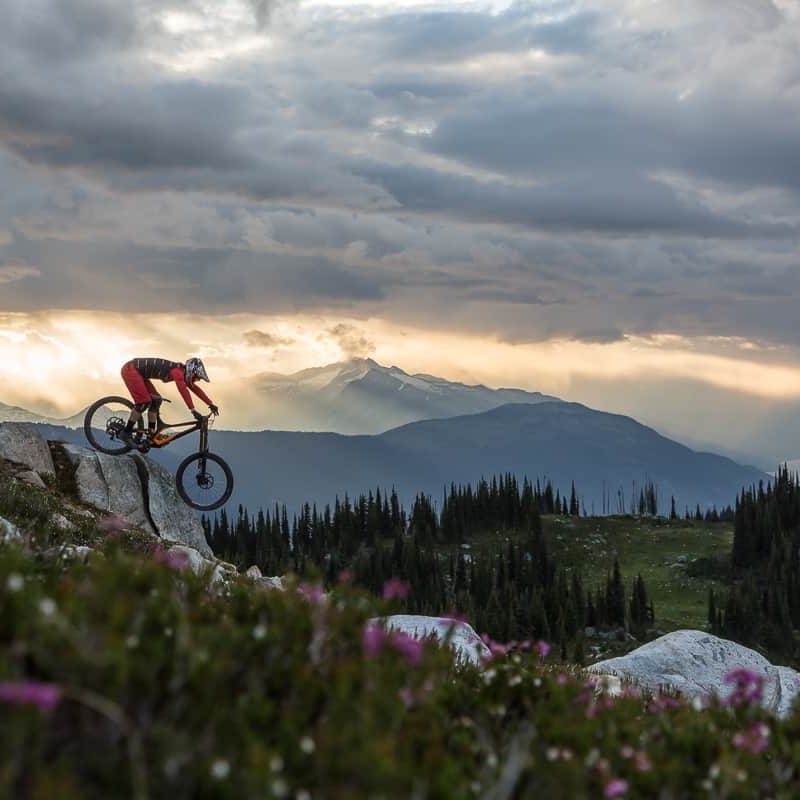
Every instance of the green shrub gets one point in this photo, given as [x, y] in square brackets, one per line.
[127, 677]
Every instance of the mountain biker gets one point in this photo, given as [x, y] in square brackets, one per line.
[138, 374]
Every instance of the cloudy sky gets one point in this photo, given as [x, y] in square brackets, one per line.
[598, 199]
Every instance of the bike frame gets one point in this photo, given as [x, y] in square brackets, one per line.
[160, 439]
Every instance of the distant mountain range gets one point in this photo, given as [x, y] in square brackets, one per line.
[362, 396]
[605, 454]
[356, 396]
[419, 433]
[17, 414]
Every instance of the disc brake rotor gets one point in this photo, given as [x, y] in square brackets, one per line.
[205, 480]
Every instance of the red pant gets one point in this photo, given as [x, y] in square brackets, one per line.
[141, 389]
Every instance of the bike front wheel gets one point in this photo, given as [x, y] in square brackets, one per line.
[103, 422]
[204, 481]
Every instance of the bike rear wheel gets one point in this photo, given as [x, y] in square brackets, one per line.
[204, 481]
[103, 422]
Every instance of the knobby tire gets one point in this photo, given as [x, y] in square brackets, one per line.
[181, 474]
[89, 431]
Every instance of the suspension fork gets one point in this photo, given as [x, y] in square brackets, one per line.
[203, 444]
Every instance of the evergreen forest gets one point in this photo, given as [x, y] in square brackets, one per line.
[512, 588]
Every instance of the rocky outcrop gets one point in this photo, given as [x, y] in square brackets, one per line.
[131, 486]
[459, 635]
[696, 663]
[21, 443]
[110, 483]
[166, 510]
[138, 490]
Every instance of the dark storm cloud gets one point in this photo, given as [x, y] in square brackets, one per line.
[67, 29]
[571, 133]
[179, 124]
[600, 202]
[135, 278]
[552, 169]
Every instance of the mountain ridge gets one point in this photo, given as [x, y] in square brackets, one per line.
[363, 396]
[607, 456]
[352, 397]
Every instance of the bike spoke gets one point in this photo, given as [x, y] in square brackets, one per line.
[105, 424]
[204, 482]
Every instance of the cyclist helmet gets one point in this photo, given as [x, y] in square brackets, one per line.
[195, 370]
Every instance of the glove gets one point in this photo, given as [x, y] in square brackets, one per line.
[196, 414]
[213, 408]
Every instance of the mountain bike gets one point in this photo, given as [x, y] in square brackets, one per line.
[203, 479]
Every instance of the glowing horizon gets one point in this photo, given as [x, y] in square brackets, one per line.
[80, 353]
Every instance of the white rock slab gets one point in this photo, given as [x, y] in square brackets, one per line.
[198, 564]
[270, 582]
[22, 443]
[696, 663]
[9, 532]
[460, 635]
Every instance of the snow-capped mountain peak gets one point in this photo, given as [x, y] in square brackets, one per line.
[363, 396]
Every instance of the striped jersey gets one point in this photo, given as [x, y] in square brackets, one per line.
[155, 368]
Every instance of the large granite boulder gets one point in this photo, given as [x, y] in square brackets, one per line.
[696, 663]
[459, 635]
[170, 516]
[110, 483]
[139, 491]
[21, 443]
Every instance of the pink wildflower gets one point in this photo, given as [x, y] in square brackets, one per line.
[748, 686]
[562, 679]
[497, 648]
[664, 702]
[407, 696]
[174, 559]
[754, 740]
[395, 589]
[43, 695]
[372, 639]
[113, 523]
[642, 761]
[345, 576]
[640, 758]
[409, 647]
[542, 648]
[616, 788]
[454, 616]
[311, 592]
